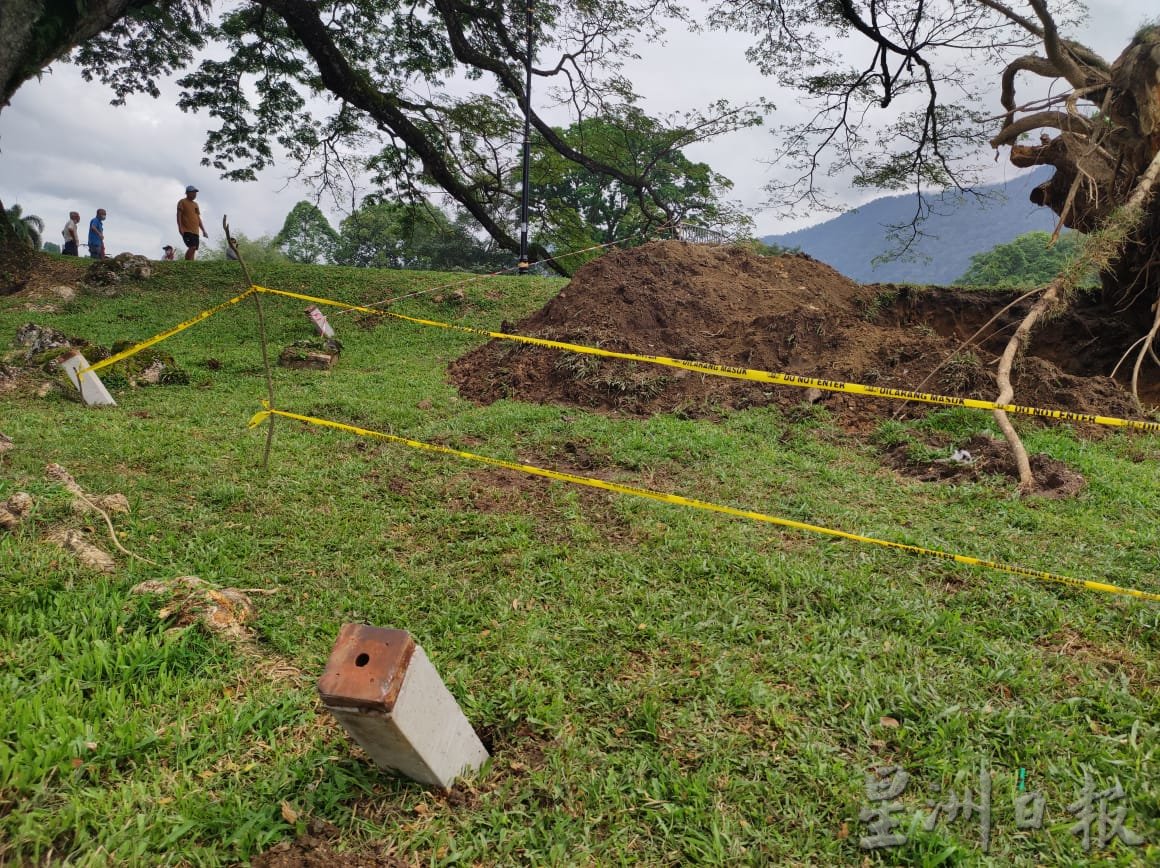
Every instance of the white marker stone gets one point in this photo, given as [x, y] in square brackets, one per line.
[387, 695]
[93, 391]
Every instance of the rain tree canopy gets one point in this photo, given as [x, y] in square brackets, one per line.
[306, 235]
[434, 89]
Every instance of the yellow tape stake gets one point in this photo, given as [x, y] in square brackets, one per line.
[261, 416]
[759, 376]
[156, 339]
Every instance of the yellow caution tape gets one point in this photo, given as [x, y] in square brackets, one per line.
[677, 500]
[156, 339]
[752, 374]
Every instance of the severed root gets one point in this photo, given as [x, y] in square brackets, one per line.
[82, 501]
[1051, 297]
[88, 554]
[224, 611]
[14, 510]
[102, 504]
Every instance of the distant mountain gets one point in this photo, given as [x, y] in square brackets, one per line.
[851, 241]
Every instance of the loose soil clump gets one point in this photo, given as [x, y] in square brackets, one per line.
[788, 314]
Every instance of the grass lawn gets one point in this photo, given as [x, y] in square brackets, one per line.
[659, 685]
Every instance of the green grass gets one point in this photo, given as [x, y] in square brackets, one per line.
[660, 685]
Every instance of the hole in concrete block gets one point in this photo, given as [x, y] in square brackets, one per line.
[362, 659]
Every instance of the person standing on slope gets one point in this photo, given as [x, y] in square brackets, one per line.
[189, 222]
[71, 235]
[97, 235]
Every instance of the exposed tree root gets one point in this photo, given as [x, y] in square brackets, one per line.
[1049, 299]
[14, 510]
[1098, 250]
[1145, 350]
[113, 502]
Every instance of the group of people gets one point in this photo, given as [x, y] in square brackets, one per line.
[189, 225]
[71, 235]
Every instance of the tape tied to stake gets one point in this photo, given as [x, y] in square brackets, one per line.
[741, 373]
[678, 500]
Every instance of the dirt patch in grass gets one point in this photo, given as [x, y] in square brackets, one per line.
[314, 849]
[795, 315]
[984, 456]
[1068, 643]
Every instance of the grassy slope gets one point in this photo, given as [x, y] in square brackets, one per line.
[661, 685]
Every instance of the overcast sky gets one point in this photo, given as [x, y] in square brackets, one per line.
[63, 147]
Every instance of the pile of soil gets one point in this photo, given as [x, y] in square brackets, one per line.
[788, 314]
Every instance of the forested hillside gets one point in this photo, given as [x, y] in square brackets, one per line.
[962, 228]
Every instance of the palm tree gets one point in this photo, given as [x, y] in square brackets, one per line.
[27, 227]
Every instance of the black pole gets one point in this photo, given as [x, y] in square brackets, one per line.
[527, 146]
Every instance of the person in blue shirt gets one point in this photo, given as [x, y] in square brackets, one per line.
[97, 235]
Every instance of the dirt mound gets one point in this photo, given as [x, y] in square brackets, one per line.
[983, 456]
[787, 314]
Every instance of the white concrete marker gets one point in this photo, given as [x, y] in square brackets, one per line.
[93, 391]
[387, 695]
[319, 319]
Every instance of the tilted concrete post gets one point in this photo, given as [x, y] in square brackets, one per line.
[387, 695]
[93, 391]
[321, 324]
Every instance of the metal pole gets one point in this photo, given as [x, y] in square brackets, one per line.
[527, 145]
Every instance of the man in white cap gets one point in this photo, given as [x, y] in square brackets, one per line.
[189, 222]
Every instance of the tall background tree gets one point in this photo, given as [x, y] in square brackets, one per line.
[306, 235]
[397, 234]
[575, 209]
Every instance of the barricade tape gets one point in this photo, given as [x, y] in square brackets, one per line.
[776, 379]
[156, 339]
[678, 500]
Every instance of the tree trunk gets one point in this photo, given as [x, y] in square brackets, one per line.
[34, 33]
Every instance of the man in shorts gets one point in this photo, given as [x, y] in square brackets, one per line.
[189, 222]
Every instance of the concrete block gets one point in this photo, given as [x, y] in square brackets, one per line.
[305, 358]
[93, 391]
[385, 692]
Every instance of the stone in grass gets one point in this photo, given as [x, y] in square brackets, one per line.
[108, 273]
[314, 353]
[150, 367]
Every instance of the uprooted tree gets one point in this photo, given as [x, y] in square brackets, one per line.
[1097, 122]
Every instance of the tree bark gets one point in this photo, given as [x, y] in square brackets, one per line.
[34, 33]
